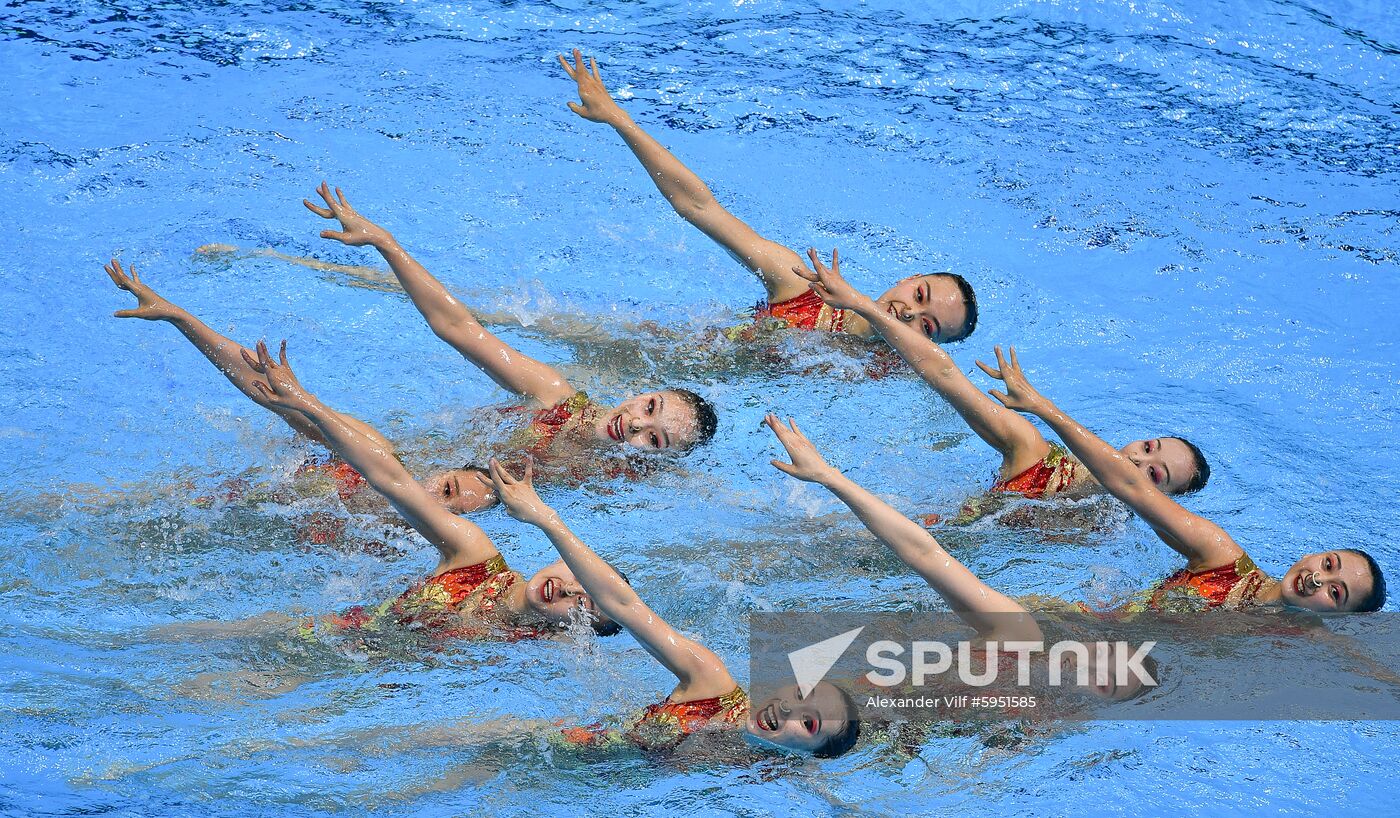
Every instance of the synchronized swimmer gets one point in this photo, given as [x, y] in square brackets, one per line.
[566, 437]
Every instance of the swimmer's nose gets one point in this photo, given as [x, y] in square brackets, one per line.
[1313, 581]
[783, 707]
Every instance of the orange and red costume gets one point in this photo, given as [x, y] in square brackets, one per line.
[806, 311]
[1055, 473]
[663, 726]
[1236, 584]
[462, 603]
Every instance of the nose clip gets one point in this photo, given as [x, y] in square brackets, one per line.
[1313, 581]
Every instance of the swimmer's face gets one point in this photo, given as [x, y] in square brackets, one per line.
[800, 723]
[1114, 689]
[555, 594]
[659, 421]
[932, 304]
[1166, 461]
[461, 490]
[1327, 582]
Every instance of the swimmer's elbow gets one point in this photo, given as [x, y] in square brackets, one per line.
[695, 206]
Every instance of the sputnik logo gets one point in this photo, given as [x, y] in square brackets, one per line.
[812, 663]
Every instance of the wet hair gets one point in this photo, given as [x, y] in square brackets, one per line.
[706, 421]
[607, 627]
[1202, 475]
[841, 743]
[1376, 598]
[969, 303]
[1154, 670]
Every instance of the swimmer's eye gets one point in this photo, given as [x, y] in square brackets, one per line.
[1336, 595]
[1156, 475]
[810, 723]
[1147, 447]
[1327, 563]
[651, 406]
[919, 294]
[928, 328]
[656, 441]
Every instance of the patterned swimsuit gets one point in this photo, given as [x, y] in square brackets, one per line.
[663, 726]
[1056, 473]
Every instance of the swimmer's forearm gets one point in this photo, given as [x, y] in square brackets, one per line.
[443, 311]
[684, 191]
[965, 593]
[608, 590]
[227, 357]
[1003, 430]
[459, 541]
[1116, 473]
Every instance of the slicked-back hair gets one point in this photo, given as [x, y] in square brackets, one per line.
[1376, 598]
[1202, 475]
[841, 743]
[706, 421]
[969, 298]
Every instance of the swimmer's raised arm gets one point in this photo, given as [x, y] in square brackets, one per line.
[980, 605]
[700, 672]
[1020, 443]
[448, 318]
[459, 542]
[227, 356]
[1202, 542]
[224, 354]
[687, 195]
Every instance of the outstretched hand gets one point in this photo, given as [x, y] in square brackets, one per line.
[355, 230]
[1019, 394]
[279, 384]
[829, 284]
[597, 104]
[518, 494]
[149, 305]
[807, 463]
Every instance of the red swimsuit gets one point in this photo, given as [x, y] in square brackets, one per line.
[663, 726]
[806, 311]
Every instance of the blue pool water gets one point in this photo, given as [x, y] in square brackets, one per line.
[1184, 214]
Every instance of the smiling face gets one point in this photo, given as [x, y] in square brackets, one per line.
[932, 304]
[555, 594]
[659, 421]
[1166, 461]
[806, 724]
[1329, 581]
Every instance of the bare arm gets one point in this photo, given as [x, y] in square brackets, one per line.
[448, 318]
[459, 542]
[224, 354]
[684, 191]
[1203, 543]
[993, 614]
[1021, 445]
[700, 672]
